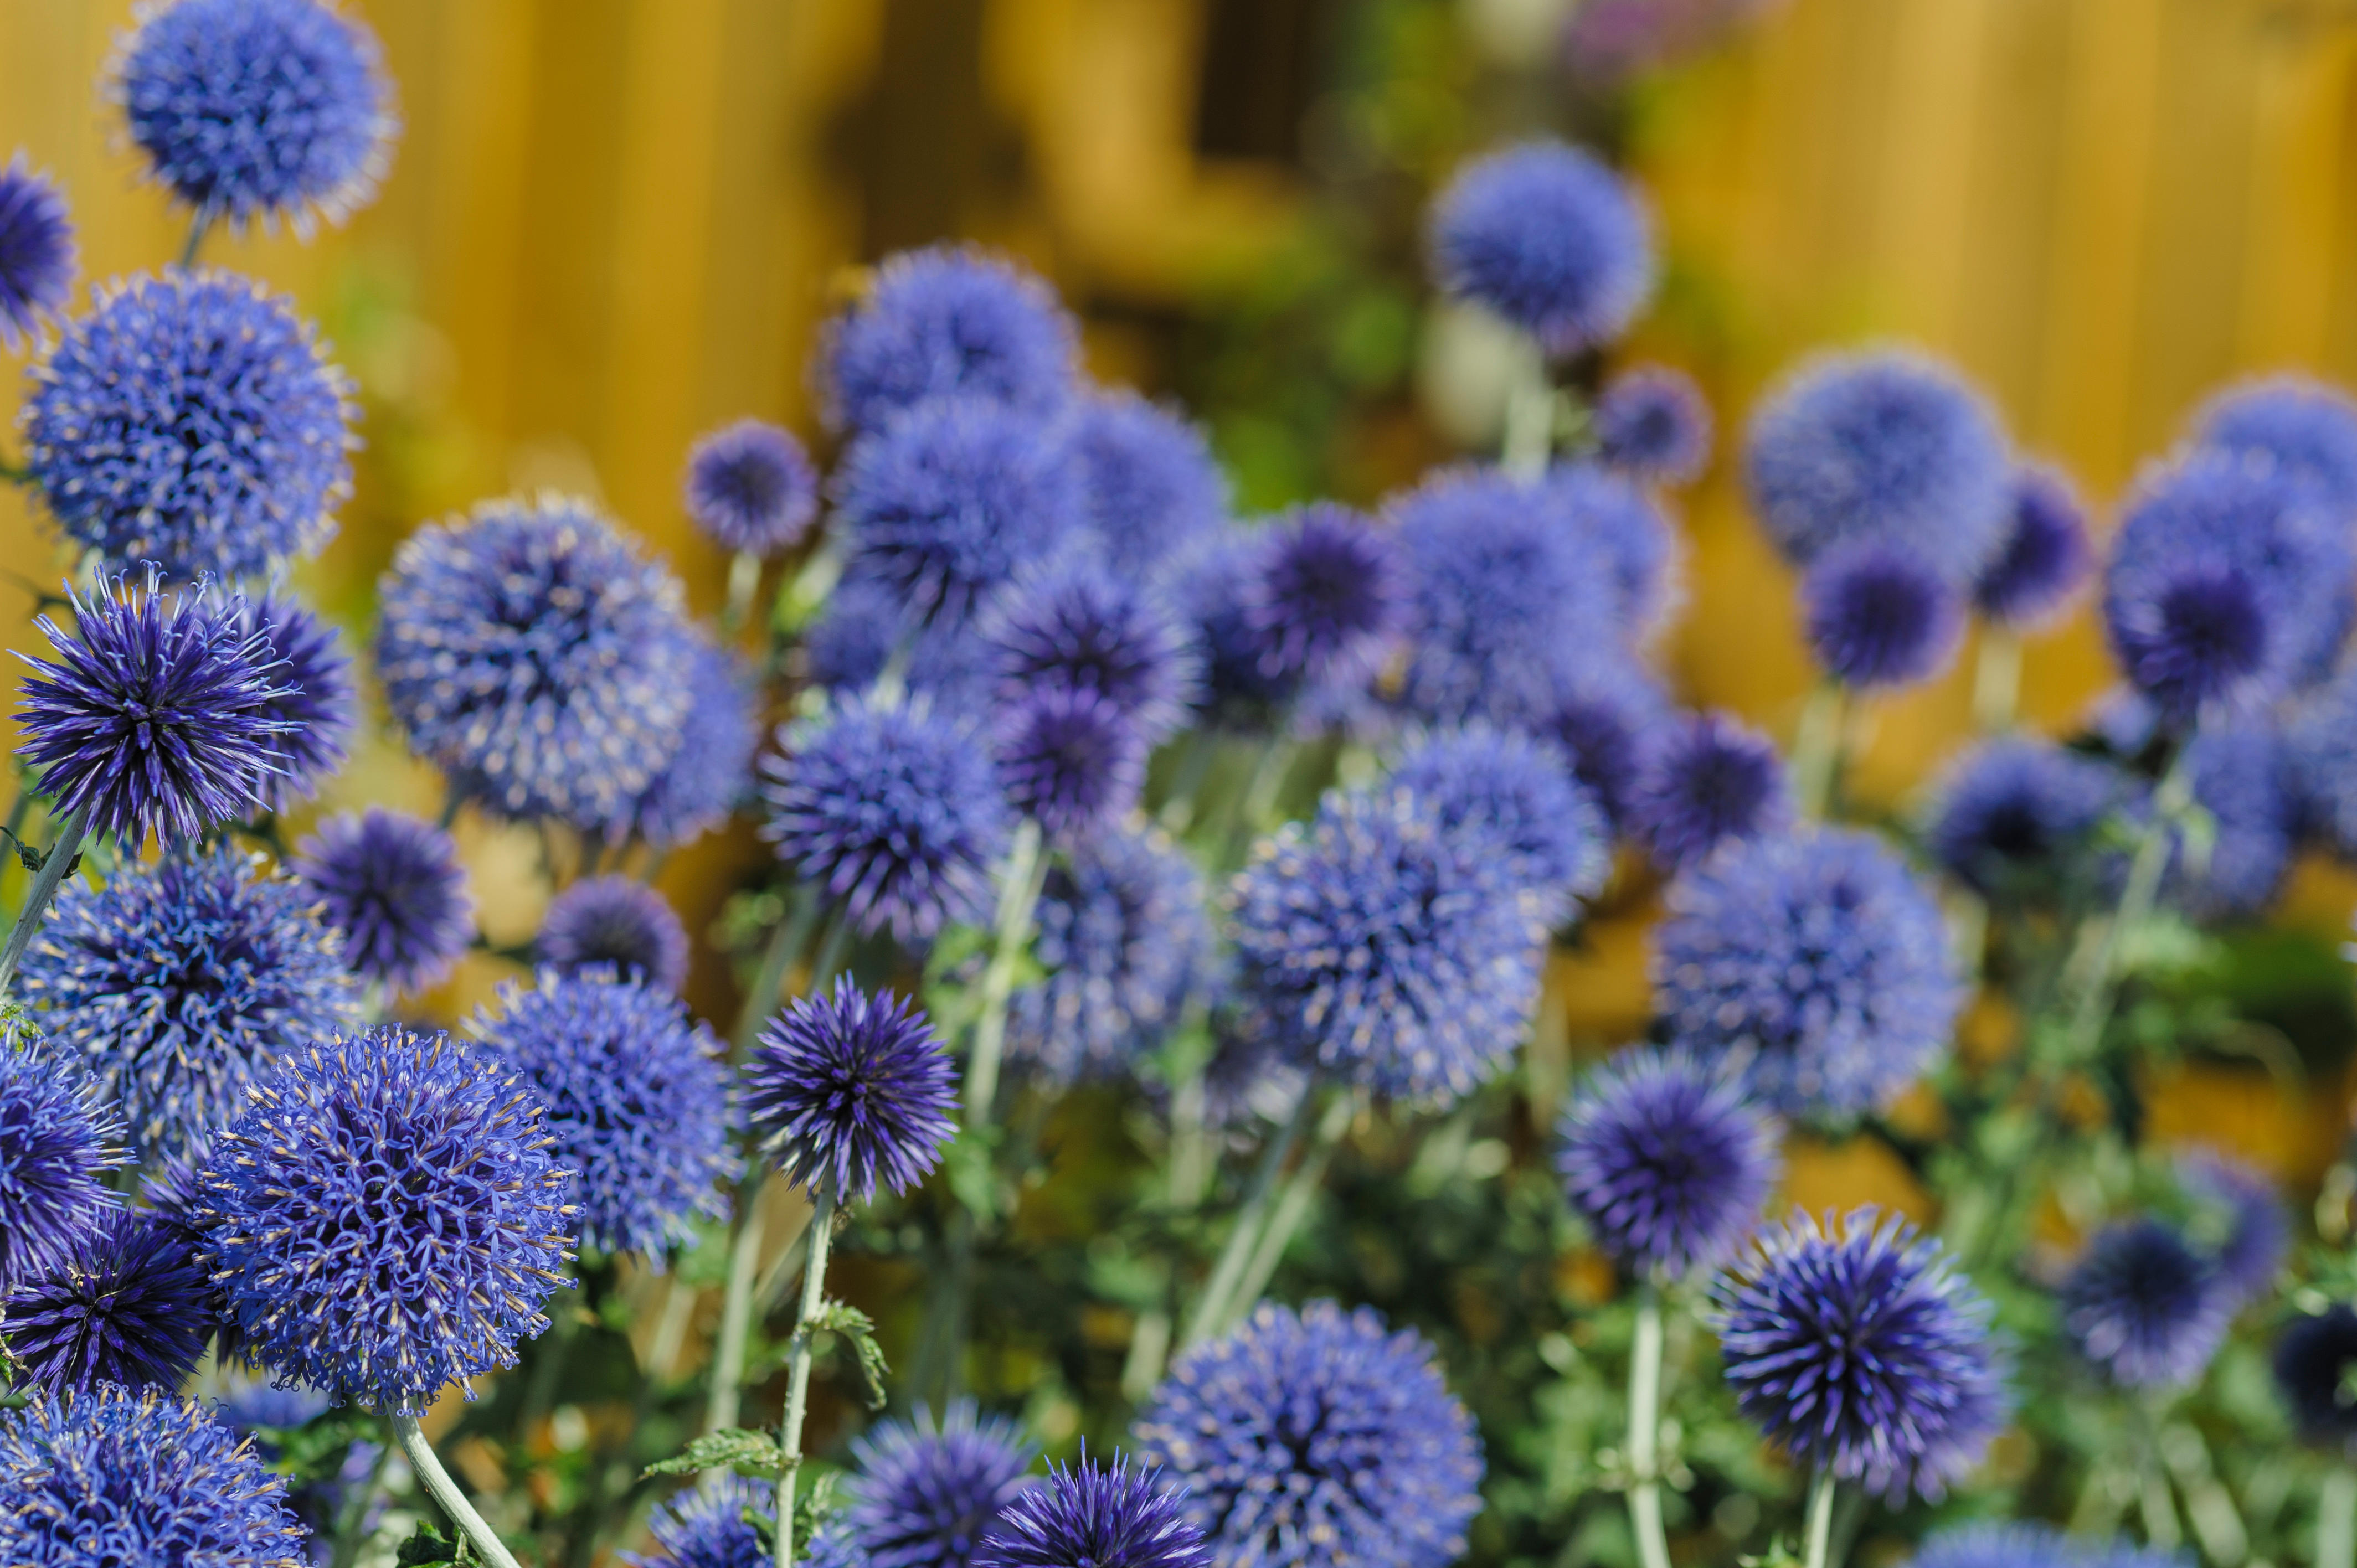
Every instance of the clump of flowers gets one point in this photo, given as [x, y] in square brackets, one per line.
[2144, 1305]
[2046, 556]
[1651, 421]
[1504, 786]
[1880, 615]
[1705, 780]
[1152, 485]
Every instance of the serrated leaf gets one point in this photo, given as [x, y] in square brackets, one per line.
[730, 1448]
[843, 1318]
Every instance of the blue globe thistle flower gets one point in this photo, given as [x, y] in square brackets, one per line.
[712, 770]
[1549, 238]
[2242, 777]
[59, 1136]
[1069, 759]
[1879, 615]
[1073, 624]
[1860, 1348]
[635, 1097]
[864, 624]
[927, 1495]
[1604, 710]
[258, 108]
[1327, 597]
[2013, 814]
[2008, 1543]
[1519, 793]
[2321, 759]
[130, 1307]
[121, 1475]
[1666, 1160]
[192, 421]
[1099, 1515]
[1706, 779]
[2046, 555]
[36, 252]
[1123, 936]
[750, 487]
[390, 885]
[707, 1526]
[2201, 636]
[1321, 1440]
[949, 321]
[386, 1218]
[182, 984]
[1818, 960]
[2313, 1363]
[1612, 518]
[2305, 427]
[2144, 1306]
[1207, 587]
[850, 1090]
[158, 714]
[894, 812]
[1386, 948]
[948, 502]
[317, 708]
[616, 923]
[1653, 422]
[1152, 485]
[251, 1408]
[2239, 1220]
[1888, 446]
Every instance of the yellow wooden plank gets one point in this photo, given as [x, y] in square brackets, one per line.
[2293, 264]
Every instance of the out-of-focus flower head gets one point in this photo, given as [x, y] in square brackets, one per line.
[317, 708]
[2046, 556]
[2239, 1218]
[616, 923]
[392, 885]
[1705, 780]
[2305, 427]
[59, 1136]
[1072, 623]
[2144, 1306]
[1106, 1516]
[1518, 792]
[1207, 583]
[864, 624]
[36, 252]
[2013, 813]
[1069, 759]
[750, 487]
[1604, 710]
[2320, 757]
[2314, 1364]
[927, 1495]
[1653, 423]
[1327, 595]
[2244, 782]
[1152, 485]
[130, 1306]
[1612, 518]
[949, 321]
[712, 772]
[2010, 1543]
[713, 1526]
[1606, 42]
[1879, 615]
[850, 1090]
[1551, 239]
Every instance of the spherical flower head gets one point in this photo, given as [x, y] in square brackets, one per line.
[1387, 949]
[317, 708]
[751, 487]
[386, 1218]
[635, 1096]
[712, 772]
[865, 623]
[2320, 757]
[2046, 555]
[159, 713]
[1072, 623]
[2240, 1220]
[948, 502]
[1888, 446]
[707, 1527]
[1551, 239]
[1069, 759]
[390, 885]
[36, 252]
[123, 1476]
[2306, 428]
[1096, 1516]
[130, 1307]
[950, 321]
[1318, 1439]
[1327, 598]
[895, 812]
[1705, 780]
[1208, 584]
[1818, 960]
[1652, 423]
[2010, 1543]
[182, 984]
[1613, 520]
[1604, 710]
[1860, 1348]
[613, 922]
[2015, 814]
[1880, 616]
[927, 1495]
[1123, 935]
[2243, 778]
[850, 1090]
[1152, 485]
[535, 655]
[2201, 636]
[190, 420]
[2144, 1307]
[1519, 793]
[2313, 1363]
[1667, 1161]
[59, 1136]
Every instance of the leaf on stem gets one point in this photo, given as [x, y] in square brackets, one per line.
[730, 1448]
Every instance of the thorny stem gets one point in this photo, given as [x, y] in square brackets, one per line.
[2336, 1518]
[798, 1371]
[1821, 1517]
[1018, 898]
[53, 871]
[1816, 750]
[1211, 1306]
[1645, 1431]
[446, 1492]
[1292, 1204]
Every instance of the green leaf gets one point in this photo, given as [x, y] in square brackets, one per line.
[841, 1318]
[426, 1545]
[730, 1448]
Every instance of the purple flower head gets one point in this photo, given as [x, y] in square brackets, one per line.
[707, 1527]
[317, 708]
[1153, 486]
[2305, 427]
[392, 885]
[192, 421]
[635, 1097]
[2046, 555]
[712, 772]
[864, 624]
[2010, 1544]
[1859, 1347]
[1551, 239]
[182, 984]
[894, 812]
[1888, 446]
[258, 110]
[59, 1136]
[1327, 595]
[130, 1306]
[1096, 1516]
[750, 487]
[1880, 615]
[2240, 1220]
[852, 1091]
[927, 1495]
[1074, 624]
[2013, 814]
[1817, 960]
[1318, 1440]
[1666, 1160]
[36, 252]
[2320, 757]
[386, 1218]
[616, 923]
[1706, 779]
[1123, 936]
[2316, 1371]
[1208, 585]
[160, 714]
[1604, 711]
[1518, 793]
[2243, 778]
[533, 654]
[1652, 423]
[1612, 520]
[124, 1476]
[947, 322]
[2144, 1307]
[2201, 636]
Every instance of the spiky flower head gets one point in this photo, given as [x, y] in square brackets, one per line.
[1072, 623]
[120, 1475]
[711, 773]
[1096, 1516]
[633, 1093]
[317, 707]
[130, 1306]
[536, 656]
[36, 252]
[751, 487]
[1857, 1346]
[1667, 1160]
[1551, 239]
[2046, 555]
[2321, 754]
[712, 1526]
[614, 922]
[866, 623]
[2144, 1306]
[1616, 524]
[1318, 1439]
[182, 984]
[1880, 615]
[2243, 781]
[2306, 428]
[2013, 814]
[2239, 1220]
[950, 321]
[850, 1090]
[1706, 779]
[2008, 1543]
[386, 1218]
[159, 713]
[1817, 960]
[894, 812]
[1519, 792]
[1327, 598]
[2316, 1371]
[1152, 485]
[59, 1136]
[1208, 584]
[390, 885]
[1653, 422]
[1604, 710]
[926, 1496]
[1069, 759]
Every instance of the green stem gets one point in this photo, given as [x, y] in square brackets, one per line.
[2336, 1518]
[786, 944]
[1820, 1519]
[744, 581]
[1179, 811]
[428, 1469]
[830, 949]
[722, 1403]
[1258, 802]
[452, 798]
[1530, 415]
[59, 860]
[798, 1371]
[1291, 1205]
[1018, 896]
[203, 220]
[2093, 1008]
[1817, 749]
[1997, 679]
[2159, 1511]
[350, 1536]
[1211, 1306]
[1645, 1431]
[14, 474]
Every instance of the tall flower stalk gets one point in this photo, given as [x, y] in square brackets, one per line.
[798, 1369]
